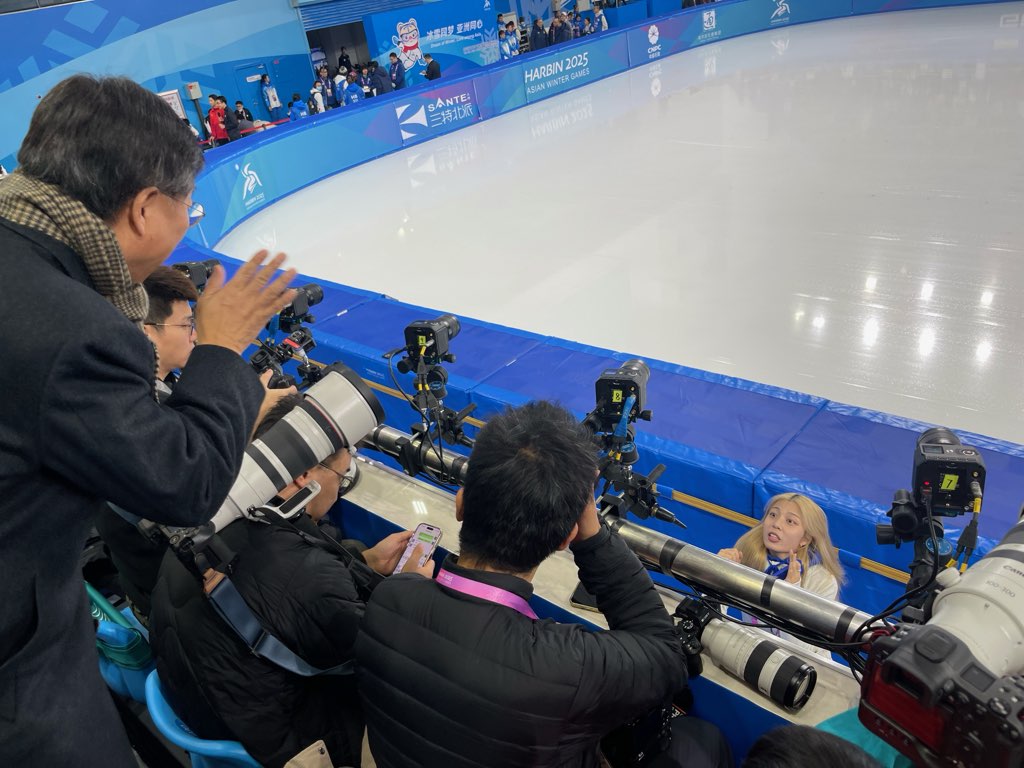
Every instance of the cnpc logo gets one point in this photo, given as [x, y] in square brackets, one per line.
[653, 35]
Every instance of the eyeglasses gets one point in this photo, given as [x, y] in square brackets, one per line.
[342, 482]
[191, 325]
[196, 212]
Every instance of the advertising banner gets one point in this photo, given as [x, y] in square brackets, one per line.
[436, 111]
[874, 6]
[461, 35]
[577, 65]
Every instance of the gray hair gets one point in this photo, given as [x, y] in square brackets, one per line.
[102, 140]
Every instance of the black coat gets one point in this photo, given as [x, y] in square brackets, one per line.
[538, 39]
[79, 424]
[231, 125]
[381, 81]
[311, 601]
[449, 679]
[433, 70]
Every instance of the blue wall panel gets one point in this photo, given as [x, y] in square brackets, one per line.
[160, 45]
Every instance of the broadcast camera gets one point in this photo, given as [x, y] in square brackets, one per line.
[620, 395]
[197, 271]
[297, 344]
[291, 318]
[948, 480]
[427, 344]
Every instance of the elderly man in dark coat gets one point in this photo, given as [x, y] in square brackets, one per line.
[101, 197]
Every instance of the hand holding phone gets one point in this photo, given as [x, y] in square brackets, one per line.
[427, 536]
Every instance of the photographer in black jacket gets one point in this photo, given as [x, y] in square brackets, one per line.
[458, 672]
[308, 595]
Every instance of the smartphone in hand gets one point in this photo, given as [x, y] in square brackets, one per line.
[580, 598]
[428, 536]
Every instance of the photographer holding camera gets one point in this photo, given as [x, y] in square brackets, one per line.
[101, 198]
[307, 593]
[460, 671]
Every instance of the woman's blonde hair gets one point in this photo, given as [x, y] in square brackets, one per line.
[755, 555]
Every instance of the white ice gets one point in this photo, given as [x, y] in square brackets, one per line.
[837, 208]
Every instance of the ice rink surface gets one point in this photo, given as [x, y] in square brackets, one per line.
[837, 208]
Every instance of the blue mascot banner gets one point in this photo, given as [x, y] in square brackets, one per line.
[461, 35]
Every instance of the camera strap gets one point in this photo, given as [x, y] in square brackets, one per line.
[229, 604]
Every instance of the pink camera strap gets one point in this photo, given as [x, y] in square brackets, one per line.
[485, 592]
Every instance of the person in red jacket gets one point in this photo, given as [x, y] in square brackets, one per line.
[215, 117]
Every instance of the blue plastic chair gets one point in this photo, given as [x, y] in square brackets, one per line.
[204, 753]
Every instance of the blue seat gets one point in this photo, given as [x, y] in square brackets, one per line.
[204, 753]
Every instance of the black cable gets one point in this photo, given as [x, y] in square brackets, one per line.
[904, 600]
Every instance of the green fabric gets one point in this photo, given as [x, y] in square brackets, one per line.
[848, 726]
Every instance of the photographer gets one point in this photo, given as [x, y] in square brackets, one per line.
[307, 594]
[517, 691]
[102, 196]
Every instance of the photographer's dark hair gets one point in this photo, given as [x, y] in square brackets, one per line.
[281, 408]
[531, 475]
[799, 746]
[165, 286]
[102, 140]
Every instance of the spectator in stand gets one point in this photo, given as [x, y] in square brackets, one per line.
[215, 119]
[577, 25]
[380, 80]
[270, 98]
[297, 108]
[230, 121]
[365, 82]
[512, 36]
[339, 86]
[397, 72]
[588, 28]
[242, 113]
[503, 50]
[344, 62]
[538, 37]
[353, 92]
[433, 70]
[316, 99]
[326, 88]
[600, 22]
[501, 21]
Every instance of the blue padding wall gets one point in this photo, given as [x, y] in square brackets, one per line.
[727, 444]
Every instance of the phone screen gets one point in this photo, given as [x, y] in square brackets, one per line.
[428, 536]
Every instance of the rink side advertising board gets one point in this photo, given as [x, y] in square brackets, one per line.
[576, 65]
[437, 111]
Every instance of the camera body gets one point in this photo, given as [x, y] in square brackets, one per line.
[197, 271]
[297, 344]
[925, 693]
[613, 390]
[944, 468]
[295, 314]
[428, 340]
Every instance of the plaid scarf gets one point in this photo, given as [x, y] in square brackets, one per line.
[45, 208]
